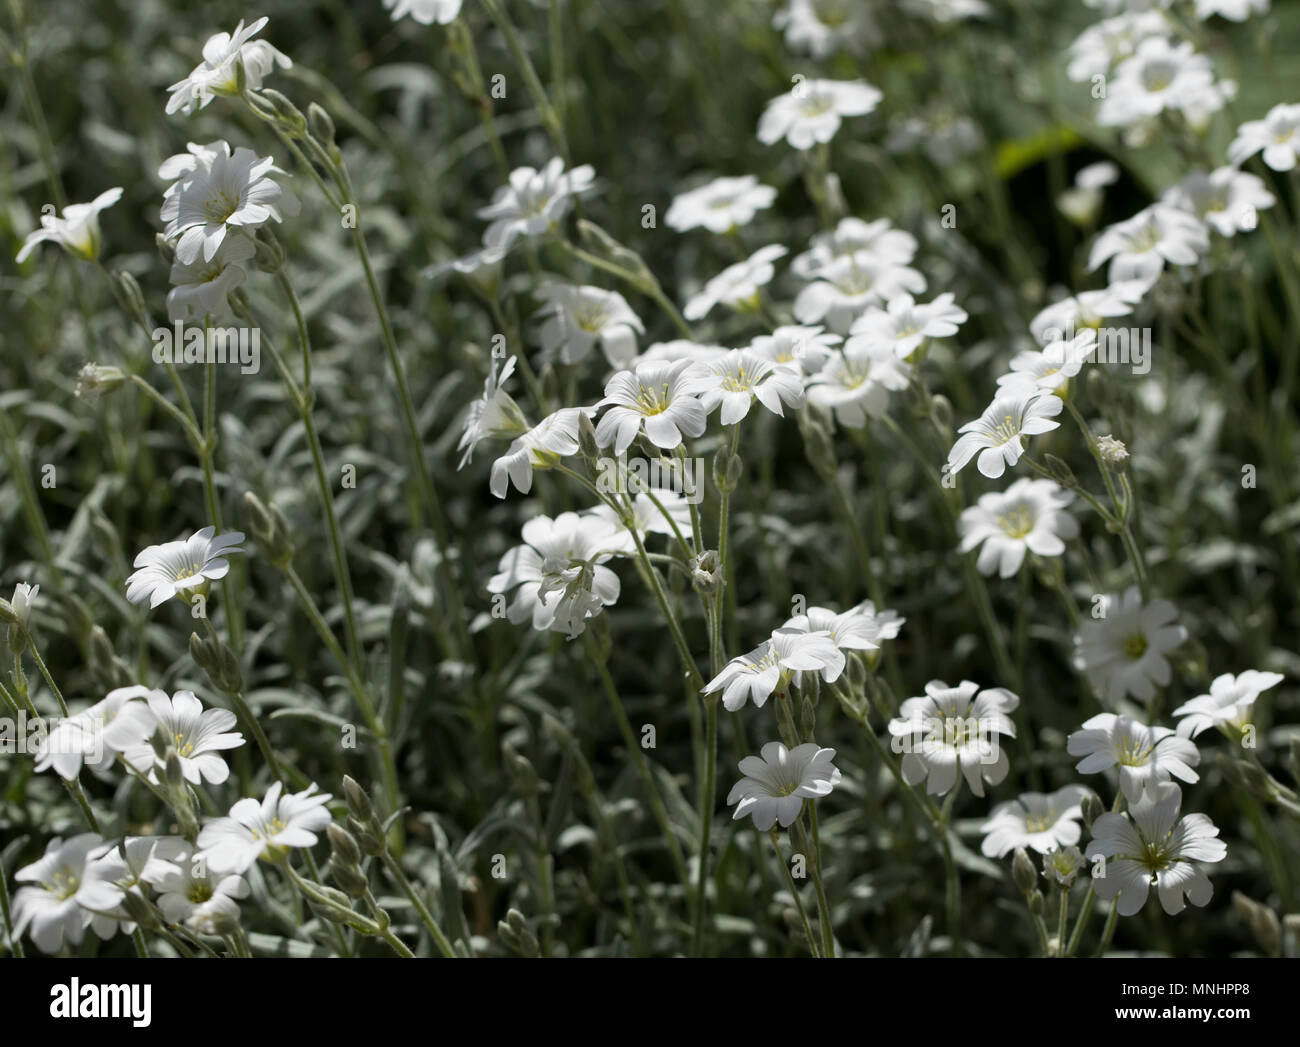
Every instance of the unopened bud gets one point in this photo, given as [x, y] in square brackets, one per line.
[1092, 809]
[343, 844]
[292, 122]
[1023, 872]
[1263, 923]
[587, 437]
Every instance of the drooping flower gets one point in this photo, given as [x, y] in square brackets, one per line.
[1028, 517]
[1040, 821]
[811, 112]
[777, 782]
[266, 829]
[997, 435]
[1228, 704]
[493, 414]
[217, 192]
[721, 205]
[1144, 755]
[1277, 136]
[1150, 845]
[954, 729]
[769, 666]
[578, 318]
[218, 73]
[57, 907]
[533, 202]
[553, 438]
[856, 382]
[1123, 652]
[21, 603]
[196, 734]
[737, 286]
[164, 571]
[904, 324]
[558, 575]
[76, 230]
[747, 377]
[664, 398]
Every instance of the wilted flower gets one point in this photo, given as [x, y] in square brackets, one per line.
[1063, 865]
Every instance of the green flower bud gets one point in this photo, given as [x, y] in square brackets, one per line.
[291, 121]
[1023, 872]
[343, 844]
[359, 805]
[1092, 808]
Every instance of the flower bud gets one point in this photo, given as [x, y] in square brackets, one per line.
[587, 438]
[1092, 809]
[820, 450]
[1023, 872]
[291, 120]
[1113, 453]
[1061, 472]
[270, 530]
[165, 249]
[1036, 903]
[1263, 923]
[268, 255]
[370, 840]
[343, 844]
[351, 881]
[359, 805]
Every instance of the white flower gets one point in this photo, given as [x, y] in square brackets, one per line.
[1139, 247]
[859, 628]
[196, 734]
[65, 888]
[664, 397]
[1029, 516]
[1097, 176]
[125, 865]
[997, 435]
[952, 729]
[856, 383]
[944, 11]
[192, 893]
[720, 206]
[1051, 368]
[495, 413]
[553, 438]
[905, 324]
[533, 202]
[203, 287]
[1159, 75]
[647, 517]
[21, 604]
[426, 12]
[558, 574]
[769, 667]
[217, 73]
[1124, 652]
[1278, 135]
[1099, 47]
[737, 286]
[803, 350]
[76, 230]
[845, 286]
[577, 318]
[876, 244]
[1040, 821]
[777, 782]
[810, 113]
[822, 27]
[1063, 319]
[681, 349]
[263, 830]
[1151, 846]
[1063, 865]
[747, 377]
[1228, 200]
[116, 723]
[164, 571]
[1229, 702]
[1144, 755]
[217, 192]
[1233, 10]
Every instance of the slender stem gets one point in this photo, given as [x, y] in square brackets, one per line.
[706, 817]
[794, 892]
[395, 871]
